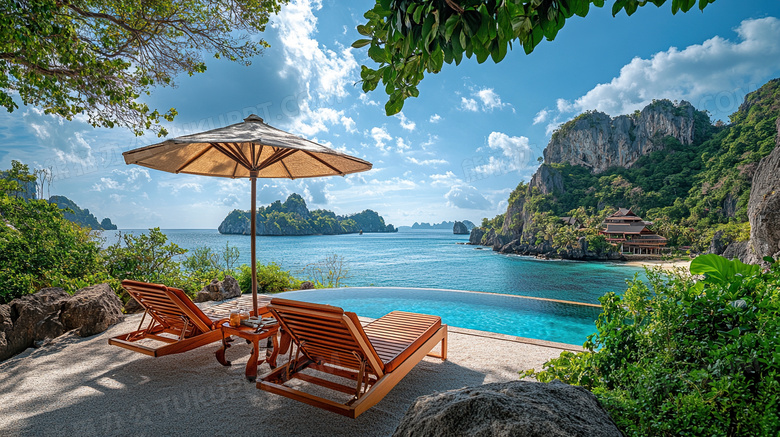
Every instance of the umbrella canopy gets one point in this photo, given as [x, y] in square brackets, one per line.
[251, 149]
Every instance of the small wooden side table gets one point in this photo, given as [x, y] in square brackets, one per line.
[250, 334]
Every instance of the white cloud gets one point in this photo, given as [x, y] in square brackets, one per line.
[466, 197]
[381, 137]
[515, 155]
[349, 124]
[468, 104]
[363, 97]
[490, 99]
[401, 144]
[435, 118]
[541, 116]
[405, 122]
[447, 179]
[175, 187]
[323, 74]
[709, 75]
[130, 180]
[432, 139]
[427, 162]
[375, 187]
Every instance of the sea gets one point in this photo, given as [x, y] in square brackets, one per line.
[421, 258]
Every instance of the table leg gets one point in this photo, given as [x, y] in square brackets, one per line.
[220, 353]
[251, 364]
[271, 359]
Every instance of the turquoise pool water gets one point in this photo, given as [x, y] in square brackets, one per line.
[505, 314]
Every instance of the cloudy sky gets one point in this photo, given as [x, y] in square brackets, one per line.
[454, 153]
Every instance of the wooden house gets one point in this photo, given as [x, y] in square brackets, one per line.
[630, 233]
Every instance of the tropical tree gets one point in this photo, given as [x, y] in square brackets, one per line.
[409, 38]
[97, 57]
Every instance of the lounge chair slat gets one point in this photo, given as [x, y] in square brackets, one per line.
[337, 339]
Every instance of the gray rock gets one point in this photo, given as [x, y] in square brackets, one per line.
[597, 141]
[518, 408]
[547, 180]
[719, 243]
[307, 285]
[91, 310]
[764, 208]
[459, 228]
[476, 236]
[583, 244]
[33, 320]
[219, 290]
[738, 250]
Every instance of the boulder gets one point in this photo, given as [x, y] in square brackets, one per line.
[307, 286]
[91, 310]
[738, 250]
[460, 228]
[219, 290]
[517, 408]
[30, 320]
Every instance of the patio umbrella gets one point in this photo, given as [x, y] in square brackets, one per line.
[251, 149]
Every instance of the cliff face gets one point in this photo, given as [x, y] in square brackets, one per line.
[81, 217]
[597, 141]
[764, 207]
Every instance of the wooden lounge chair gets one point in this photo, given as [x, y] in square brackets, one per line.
[329, 340]
[174, 320]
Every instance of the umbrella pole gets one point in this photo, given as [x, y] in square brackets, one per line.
[253, 231]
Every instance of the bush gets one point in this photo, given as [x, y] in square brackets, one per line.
[270, 279]
[686, 357]
[38, 247]
[147, 258]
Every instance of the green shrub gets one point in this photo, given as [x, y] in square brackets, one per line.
[270, 279]
[38, 247]
[147, 258]
[686, 357]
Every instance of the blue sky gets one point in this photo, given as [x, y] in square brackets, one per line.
[454, 153]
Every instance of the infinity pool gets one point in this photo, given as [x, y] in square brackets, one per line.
[504, 314]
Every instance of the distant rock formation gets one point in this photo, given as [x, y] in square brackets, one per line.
[516, 408]
[442, 225]
[81, 217]
[293, 218]
[597, 141]
[764, 208]
[459, 228]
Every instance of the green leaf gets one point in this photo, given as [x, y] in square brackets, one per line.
[364, 30]
[361, 43]
[720, 270]
[394, 104]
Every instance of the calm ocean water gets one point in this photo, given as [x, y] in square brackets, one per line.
[422, 258]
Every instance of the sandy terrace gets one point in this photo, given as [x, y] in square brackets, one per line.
[83, 386]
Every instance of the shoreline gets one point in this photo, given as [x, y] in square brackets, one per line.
[662, 264]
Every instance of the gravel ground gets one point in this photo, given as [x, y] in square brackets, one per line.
[83, 386]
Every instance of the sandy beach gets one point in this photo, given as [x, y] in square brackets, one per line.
[665, 265]
[83, 386]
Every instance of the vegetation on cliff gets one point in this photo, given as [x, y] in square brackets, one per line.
[81, 217]
[689, 191]
[679, 356]
[293, 218]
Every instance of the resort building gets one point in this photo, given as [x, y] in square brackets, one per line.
[630, 233]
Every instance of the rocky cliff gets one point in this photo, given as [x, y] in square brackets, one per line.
[81, 217]
[764, 207]
[597, 141]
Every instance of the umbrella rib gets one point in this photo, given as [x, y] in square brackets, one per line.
[276, 157]
[325, 163]
[229, 154]
[194, 158]
[287, 170]
[236, 149]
